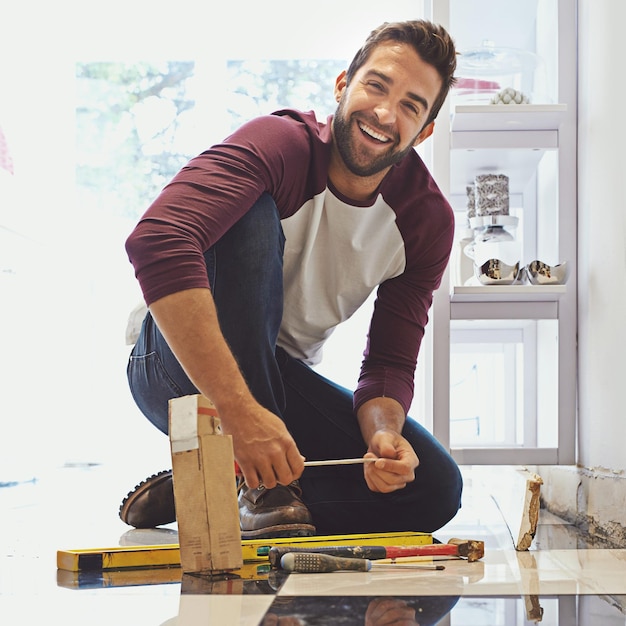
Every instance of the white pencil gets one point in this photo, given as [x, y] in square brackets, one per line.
[338, 462]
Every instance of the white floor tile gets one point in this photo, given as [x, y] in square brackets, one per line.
[564, 578]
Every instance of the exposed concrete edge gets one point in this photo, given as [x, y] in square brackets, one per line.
[593, 500]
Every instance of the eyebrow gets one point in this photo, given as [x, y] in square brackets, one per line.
[388, 80]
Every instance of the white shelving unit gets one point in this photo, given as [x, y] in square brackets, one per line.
[505, 117]
[515, 139]
[507, 293]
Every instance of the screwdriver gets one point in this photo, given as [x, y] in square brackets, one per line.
[314, 562]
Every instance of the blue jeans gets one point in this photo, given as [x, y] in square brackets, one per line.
[245, 273]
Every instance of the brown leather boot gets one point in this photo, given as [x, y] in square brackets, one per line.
[278, 512]
[150, 503]
[263, 513]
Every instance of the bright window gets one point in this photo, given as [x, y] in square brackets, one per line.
[94, 135]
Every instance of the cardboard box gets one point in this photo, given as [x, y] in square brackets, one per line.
[205, 490]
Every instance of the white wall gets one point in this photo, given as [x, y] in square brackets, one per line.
[602, 236]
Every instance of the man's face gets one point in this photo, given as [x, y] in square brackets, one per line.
[381, 114]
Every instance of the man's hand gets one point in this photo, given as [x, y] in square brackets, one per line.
[388, 612]
[381, 421]
[396, 462]
[265, 451]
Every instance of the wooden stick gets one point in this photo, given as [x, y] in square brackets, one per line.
[338, 462]
[418, 559]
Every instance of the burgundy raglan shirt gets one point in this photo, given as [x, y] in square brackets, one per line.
[337, 251]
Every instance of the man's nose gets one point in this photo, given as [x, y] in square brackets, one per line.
[385, 112]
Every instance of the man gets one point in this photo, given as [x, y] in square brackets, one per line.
[252, 255]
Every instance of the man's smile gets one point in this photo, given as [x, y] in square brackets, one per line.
[368, 130]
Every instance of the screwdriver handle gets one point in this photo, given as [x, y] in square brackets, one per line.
[276, 553]
[314, 562]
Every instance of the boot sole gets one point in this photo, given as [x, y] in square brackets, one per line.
[281, 530]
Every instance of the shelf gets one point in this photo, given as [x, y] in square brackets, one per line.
[487, 138]
[507, 293]
[497, 302]
[507, 117]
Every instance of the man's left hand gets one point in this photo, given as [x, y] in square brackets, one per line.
[395, 465]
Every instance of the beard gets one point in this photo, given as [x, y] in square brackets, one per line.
[359, 161]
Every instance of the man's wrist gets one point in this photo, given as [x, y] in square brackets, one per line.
[380, 414]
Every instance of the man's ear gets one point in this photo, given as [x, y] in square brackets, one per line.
[427, 131]
[340, 85]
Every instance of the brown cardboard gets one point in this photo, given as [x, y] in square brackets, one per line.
[205, 492]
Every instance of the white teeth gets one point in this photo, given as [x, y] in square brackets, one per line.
[372, 133]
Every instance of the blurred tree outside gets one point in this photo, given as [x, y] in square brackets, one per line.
[259, 87]
[132, 119]
[127, 115]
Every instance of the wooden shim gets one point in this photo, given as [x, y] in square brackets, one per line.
[519, 504]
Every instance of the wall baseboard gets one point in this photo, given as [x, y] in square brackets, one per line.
[593, 500]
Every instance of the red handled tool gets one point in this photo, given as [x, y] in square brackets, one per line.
[460, 548]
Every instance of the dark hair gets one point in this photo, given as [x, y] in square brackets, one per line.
[431, 41]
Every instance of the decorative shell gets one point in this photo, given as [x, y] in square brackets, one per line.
[510, 96]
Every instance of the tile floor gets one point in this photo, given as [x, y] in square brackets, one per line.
[563, 580]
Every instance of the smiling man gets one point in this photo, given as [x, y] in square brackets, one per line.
[392, 118]
[257, 250]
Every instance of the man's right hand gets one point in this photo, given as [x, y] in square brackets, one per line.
[264, 449]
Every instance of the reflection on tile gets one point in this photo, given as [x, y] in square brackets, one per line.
[479, 518]
[101, 579]
[150, 536]
[592, 571]
[373, 610]
[251, 579]
[459, 611]
[209, 610]
[105, 607]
